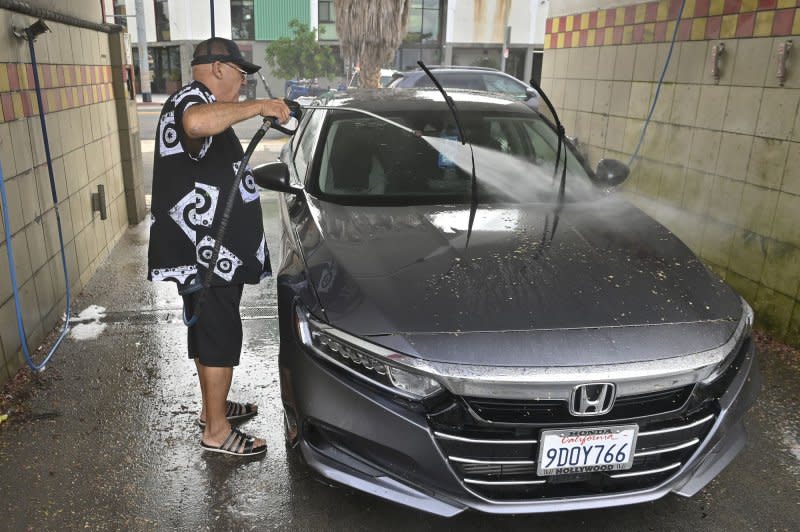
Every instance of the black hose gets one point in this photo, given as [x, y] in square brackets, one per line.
[269, 122]
[223, 227]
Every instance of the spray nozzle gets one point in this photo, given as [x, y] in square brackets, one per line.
[295, 114]
[294, 108]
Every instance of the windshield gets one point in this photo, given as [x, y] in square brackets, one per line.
[366, 160]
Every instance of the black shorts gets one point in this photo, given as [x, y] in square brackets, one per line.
[216, 339]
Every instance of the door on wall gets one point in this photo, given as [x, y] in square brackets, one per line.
[166, 69]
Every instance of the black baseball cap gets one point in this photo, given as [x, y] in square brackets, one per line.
[224, 50]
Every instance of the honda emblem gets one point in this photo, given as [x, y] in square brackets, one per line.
[592, 399]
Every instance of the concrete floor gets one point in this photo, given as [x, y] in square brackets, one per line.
[109, 441]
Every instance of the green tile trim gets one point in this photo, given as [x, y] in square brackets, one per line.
[272, 17]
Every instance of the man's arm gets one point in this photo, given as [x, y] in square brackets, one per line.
[206, 120]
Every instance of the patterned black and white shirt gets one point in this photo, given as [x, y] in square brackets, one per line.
[189, 195]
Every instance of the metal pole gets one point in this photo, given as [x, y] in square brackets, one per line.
[212, 19]
[506, 37]
[144, 61]
[505, 50]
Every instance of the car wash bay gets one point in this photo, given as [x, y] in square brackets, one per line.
[107, 438]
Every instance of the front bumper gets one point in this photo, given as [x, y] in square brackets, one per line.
[354, 436]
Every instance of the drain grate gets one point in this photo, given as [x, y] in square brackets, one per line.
[259, 313]
[174, 315]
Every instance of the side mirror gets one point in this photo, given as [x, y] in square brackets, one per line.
[611, 172]
[274, 176]
[531, 93]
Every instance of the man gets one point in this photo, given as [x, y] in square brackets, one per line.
[197, 154]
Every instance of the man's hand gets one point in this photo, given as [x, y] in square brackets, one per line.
[275, 108]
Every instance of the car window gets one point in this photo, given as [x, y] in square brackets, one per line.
[545, 144]
[305, 146]
[455, 80]
[365, 156]
[505, 136]
[365, 160]
[300, 128]
[502, 84]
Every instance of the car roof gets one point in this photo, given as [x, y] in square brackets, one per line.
[456, 67]
[455, 70]
[381, 100]
[414, 75]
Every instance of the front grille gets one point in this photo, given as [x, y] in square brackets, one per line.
[498, 462]
[492, 445]
[557, 412]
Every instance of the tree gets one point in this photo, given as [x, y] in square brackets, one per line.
[301, 56]
[370, 31]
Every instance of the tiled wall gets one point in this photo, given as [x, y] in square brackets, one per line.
[655, 22]
[75, 72]
[720, 164]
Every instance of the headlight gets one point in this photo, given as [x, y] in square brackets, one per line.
[368, 361]
[743, 331]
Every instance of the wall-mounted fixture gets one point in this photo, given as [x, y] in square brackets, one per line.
[31, 32]
[783, 61]
[99, 201]
[717, 53]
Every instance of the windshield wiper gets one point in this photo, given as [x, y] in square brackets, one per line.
[473, 198]
[561, 140]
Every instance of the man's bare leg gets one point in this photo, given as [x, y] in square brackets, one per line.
[215, 383]
[202, 391]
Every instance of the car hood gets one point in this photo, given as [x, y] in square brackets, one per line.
[573, 278]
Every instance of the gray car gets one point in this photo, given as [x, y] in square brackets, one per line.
[470, 78]
[456, 337]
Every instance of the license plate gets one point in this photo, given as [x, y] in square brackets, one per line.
[586, 450]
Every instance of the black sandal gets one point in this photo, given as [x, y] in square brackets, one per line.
[237, 443]
[235, 412]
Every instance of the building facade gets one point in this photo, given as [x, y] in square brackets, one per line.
[460, 32]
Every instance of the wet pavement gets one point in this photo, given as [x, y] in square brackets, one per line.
[108, 440]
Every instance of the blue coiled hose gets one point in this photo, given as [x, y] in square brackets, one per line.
[7, 227]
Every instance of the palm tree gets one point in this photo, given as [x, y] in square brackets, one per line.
[370, 31]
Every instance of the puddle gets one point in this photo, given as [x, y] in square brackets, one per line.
[87, 325]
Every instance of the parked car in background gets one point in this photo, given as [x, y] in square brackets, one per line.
[472, 78]
[387, 75]
[498, 346]
[308, 88]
